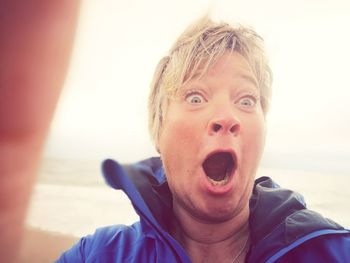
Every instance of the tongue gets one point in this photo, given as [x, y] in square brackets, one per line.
[217, 165]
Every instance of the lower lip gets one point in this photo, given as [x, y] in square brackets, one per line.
[217, 189]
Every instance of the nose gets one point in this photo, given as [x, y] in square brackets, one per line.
[224, 123]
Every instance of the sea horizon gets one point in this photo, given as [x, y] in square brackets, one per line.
[71, 197]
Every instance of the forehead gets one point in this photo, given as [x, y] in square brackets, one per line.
[230, 64]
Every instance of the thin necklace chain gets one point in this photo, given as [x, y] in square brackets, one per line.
[242, 249]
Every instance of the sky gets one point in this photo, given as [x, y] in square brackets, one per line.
[102, 112]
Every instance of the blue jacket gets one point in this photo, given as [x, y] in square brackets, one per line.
[282, 229]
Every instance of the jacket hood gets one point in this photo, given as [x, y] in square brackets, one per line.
[278, 217]
[139, 182]
[145, 185]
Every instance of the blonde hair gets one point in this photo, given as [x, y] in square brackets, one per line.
[199, 46]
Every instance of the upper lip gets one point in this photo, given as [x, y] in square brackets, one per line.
[227, 150]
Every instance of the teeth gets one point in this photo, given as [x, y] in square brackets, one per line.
[222, 182]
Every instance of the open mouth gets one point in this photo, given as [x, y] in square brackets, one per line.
[219, 166]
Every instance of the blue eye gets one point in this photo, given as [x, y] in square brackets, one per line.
[195, 98]
[247, 102]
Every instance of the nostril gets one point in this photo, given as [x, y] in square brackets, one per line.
[216, 127]
[234, 129]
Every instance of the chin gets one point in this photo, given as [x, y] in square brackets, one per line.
[221, 213]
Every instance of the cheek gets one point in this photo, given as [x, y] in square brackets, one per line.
[172, 141]
[173, 134]
[260, 134]
[255, 138]
[179, 142]
[179, 132]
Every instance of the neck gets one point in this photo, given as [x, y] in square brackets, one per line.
[225, 241]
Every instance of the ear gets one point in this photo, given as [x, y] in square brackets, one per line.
[156, 143]
[157, 148]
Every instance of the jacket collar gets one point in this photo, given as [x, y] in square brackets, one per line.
[278, 216]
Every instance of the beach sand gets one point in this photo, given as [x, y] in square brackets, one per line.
[40, 246]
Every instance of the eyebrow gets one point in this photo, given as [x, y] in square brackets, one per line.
[249, 78]
[197, 74]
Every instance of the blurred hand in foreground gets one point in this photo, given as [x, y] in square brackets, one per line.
[35, 43]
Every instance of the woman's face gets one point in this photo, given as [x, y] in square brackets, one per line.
[212, 140]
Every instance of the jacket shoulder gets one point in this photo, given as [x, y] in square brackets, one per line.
[325, 248]
[291, 232]
[117, 243]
